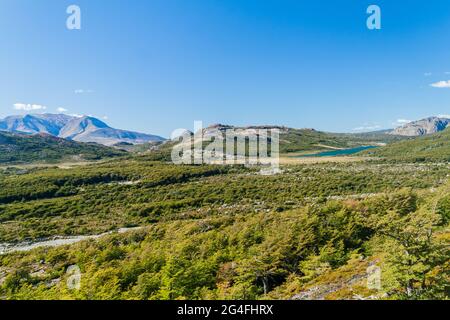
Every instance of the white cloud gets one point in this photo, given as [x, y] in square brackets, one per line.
[427, 74]
[368, 128]
[447, 116]
[28, 107]
[403, 121]
[82, 91]
[62, 110]
[441, 84]
[98, 117]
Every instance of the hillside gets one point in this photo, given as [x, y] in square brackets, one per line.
[298, 140]
[20, 148]
[291, 140]
[435, 147]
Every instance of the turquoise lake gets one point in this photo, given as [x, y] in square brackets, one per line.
[334, 153]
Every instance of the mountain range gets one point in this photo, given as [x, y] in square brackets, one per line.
[81, 129]
[86, 129]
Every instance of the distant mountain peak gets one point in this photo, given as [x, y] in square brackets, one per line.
[82, 129]
[422, 127]
[81, 125]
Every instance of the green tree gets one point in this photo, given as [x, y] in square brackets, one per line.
[415, 255]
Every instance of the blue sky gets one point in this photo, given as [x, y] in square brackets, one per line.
[157, 65]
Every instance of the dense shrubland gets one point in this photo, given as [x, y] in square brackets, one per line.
[227, 232]
[97, 198]
[256, 255]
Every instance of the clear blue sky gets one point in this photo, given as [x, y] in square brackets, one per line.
[157, 65]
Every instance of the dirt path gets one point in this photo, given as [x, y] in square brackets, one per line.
[55, 242]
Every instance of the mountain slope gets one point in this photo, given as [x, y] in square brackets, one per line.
[423, 127]
[78, 126]
[88, 129]
[35, 123]
[82, 129]
[21, 148]
[427, 148]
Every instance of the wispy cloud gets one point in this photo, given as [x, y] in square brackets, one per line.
[83, 91]
[29, 107]
[401, 122]
[368, 128]
[62, 110]
[427, 74]
[441, 84]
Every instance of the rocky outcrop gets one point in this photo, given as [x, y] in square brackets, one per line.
[422, 127]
